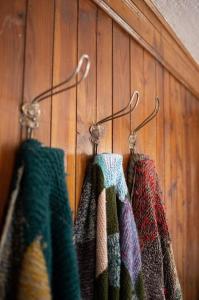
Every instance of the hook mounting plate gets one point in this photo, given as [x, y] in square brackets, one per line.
[96, 132]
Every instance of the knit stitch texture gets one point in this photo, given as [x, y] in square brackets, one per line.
[159, 271]
[38, 258]
[105, 233]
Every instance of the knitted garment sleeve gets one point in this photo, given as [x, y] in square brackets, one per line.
[159, 271]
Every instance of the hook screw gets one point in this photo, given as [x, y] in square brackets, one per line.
[96, 132]
[132, 141]
[30, 114]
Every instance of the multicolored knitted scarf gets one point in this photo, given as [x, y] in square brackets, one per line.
[106, 237]
[37, 254]
[159, 271]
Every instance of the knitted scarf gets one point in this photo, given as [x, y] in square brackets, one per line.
[159, 271]
[37, 255]
[105, 233]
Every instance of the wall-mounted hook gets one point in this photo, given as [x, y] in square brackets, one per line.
[30, 112]
[97, 130]
[133, 135]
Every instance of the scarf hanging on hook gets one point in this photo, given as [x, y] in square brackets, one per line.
[159, 271]
[37, 253]
[105, 233]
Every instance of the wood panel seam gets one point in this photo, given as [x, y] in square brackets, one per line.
[186, 81]
[52, 67]
[24, 63]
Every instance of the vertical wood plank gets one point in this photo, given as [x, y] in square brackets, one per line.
[149, 95]
[38, 60]
[196, 219]
[104, 77]
[121, 90]
[63, 132]
[181, 179]
[173, 166]
[167, 148]
[137, 83]
[86, 92]
[183, 119]
[192, 158]
[195, 223]
[190, 200]
[12, 36]
[160, 124]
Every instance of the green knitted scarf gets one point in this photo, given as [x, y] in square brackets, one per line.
[37, 255]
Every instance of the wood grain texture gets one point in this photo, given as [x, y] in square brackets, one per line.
[63, 130]
[121, 90]
[173, 166]
[86, 92]
[180, 170]
[167, 147]
[104, 77]
[42, 49]
[39, 60]
[137, 83]
[160, 124]
[138, 23]
[149, 98]
[160, 25]
[192, 157]
[12, 36]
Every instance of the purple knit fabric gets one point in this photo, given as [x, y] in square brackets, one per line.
[130, 249]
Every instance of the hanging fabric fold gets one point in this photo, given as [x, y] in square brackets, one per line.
[37, 254]
[159, 271]
[105, 234]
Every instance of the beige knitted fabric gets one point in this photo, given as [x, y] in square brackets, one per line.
[33, 282]
[101, 235]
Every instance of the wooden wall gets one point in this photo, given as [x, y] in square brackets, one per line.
[39, 46]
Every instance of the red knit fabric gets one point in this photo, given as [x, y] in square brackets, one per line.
[159, 271]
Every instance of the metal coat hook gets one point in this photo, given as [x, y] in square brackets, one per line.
[97, 130]
[30, 112]
[133, 135]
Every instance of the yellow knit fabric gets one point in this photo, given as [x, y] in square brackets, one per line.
[33, 281]
[101, 235]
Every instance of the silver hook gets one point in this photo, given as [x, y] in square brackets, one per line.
[133, 135]
[97, 130]
[30, 112]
